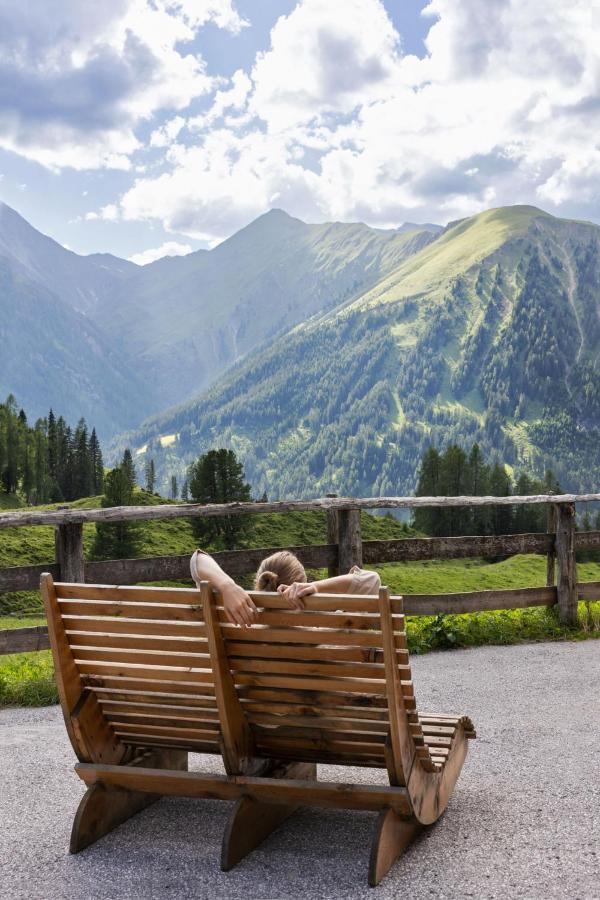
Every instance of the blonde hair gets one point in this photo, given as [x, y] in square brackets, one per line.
[280, 568]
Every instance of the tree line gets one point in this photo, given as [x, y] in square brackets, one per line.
[48, 461]
[453, 472]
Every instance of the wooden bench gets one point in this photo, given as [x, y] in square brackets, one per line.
[147, 674]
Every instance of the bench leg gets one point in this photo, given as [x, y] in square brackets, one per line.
[253, 820]
[104, 807]
[392, 837]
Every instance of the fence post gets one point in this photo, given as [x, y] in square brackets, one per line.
[68, 544]
[332, 535]
[551, 557]
[566, 581]
[349, 539]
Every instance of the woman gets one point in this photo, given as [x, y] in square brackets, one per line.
[282, 572]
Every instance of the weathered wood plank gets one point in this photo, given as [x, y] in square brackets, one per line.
[26, 578]
[24, 640]
[566, 576]
[477, 601]
[186, 510]
[69, 551]
[588, 590]
[455, 547]
[349, 539]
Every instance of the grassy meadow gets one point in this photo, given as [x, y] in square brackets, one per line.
[27, 678]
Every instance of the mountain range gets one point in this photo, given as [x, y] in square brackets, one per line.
[328, 356]
[113, 341]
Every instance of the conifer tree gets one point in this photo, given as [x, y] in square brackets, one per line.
[82, 468]
[173, 487]
[185, 492]
[150, 476]
[425, 518]
[218, 477]
[129, 469]
[96, 464]
[118, 540]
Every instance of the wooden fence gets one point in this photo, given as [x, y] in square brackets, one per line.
[344, 548]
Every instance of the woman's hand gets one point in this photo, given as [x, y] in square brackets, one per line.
[295, 592]
[238, 605]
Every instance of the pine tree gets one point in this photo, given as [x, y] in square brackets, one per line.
[82, 477]
[150, 476]
[129, 469]
[218, 477]
[117, 540]
[501, 516]
[185, 491]
[173, 487]
[427, 518]
[96, 464]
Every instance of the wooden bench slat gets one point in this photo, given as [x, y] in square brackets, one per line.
[157, 674]
[333, 723]
[363, 700]
[149, 705]
[142, 657]
[124, 625]
[275, 742]
[129, 642]
[152, 686]
[132, 593]
[345, 685]
[175, 731]
[175, 743]
[124, 609]
[310, 652]
[118, 717]
[294, 667]
[303, 636]
[315, 730]
[304, 619]
[135, 696]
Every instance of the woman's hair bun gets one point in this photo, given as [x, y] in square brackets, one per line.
[267, 581]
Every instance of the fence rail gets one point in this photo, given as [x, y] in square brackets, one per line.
[345, 548]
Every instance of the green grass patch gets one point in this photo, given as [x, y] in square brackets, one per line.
[27, 679]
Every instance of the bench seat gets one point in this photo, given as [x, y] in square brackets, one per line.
[146, 675]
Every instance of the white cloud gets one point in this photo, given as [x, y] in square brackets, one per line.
[79, 78]
[109, 213]
[167, 133]
[169, 248]
[333, 121]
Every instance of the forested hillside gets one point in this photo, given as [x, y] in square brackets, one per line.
[104, 337]
[488, 334]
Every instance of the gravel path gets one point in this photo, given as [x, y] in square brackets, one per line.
[524, 820]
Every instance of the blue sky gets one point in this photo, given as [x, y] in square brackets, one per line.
[145, 127]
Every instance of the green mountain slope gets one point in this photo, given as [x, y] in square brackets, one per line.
[150, 336]
[489, 333]
[187, 319]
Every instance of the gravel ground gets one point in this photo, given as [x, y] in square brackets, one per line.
[523, 822]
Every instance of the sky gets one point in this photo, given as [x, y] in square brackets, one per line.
[152, 127]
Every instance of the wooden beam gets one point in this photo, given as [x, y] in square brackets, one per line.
[476, 601]
[237, 742]
[401, 744]
[349, 539]
[273, 790]
[24, 640]
[566, 581]
[407, 549]
[26, 578]
[332, 538]
[13, 518]
[69, 551]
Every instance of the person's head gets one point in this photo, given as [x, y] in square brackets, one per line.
[280, 568]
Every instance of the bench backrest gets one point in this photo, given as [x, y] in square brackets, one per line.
[162, 667]
[316, 684]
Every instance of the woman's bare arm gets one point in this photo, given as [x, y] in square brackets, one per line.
[237, 603]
